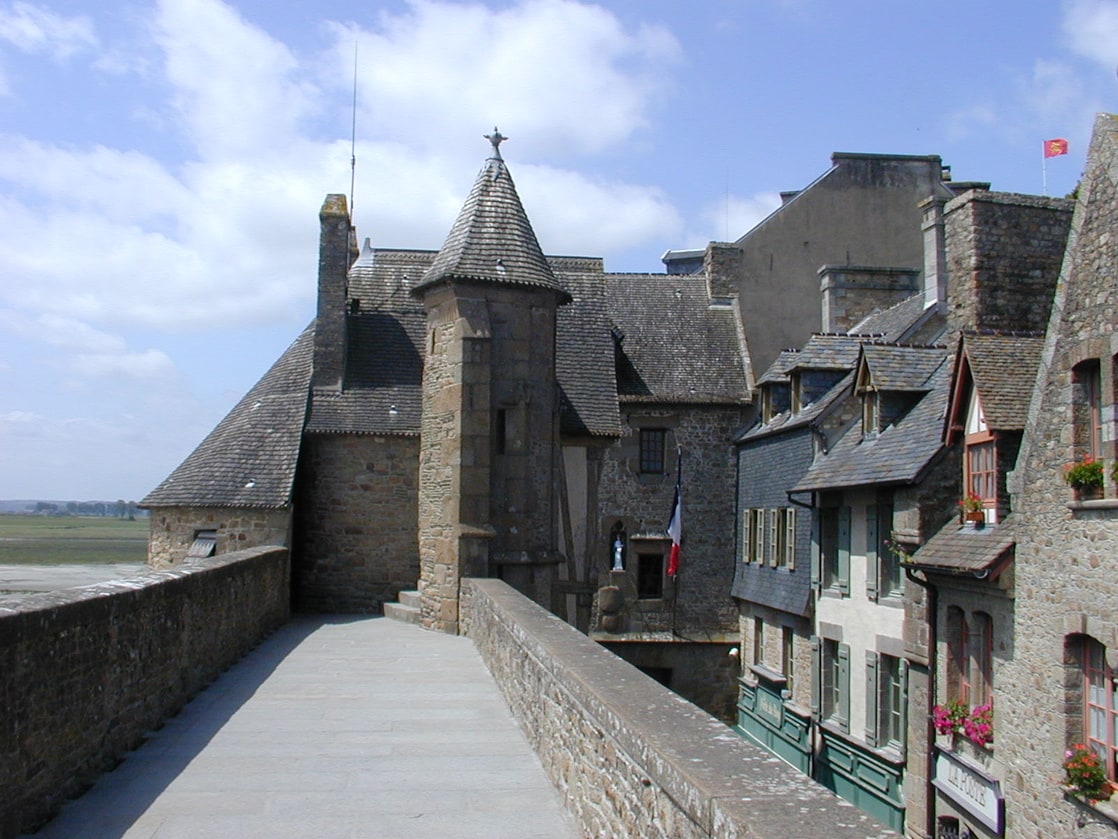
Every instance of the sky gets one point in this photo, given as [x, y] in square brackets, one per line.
[162, 164]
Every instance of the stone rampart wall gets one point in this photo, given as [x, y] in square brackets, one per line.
[85, 672]
[629, 756]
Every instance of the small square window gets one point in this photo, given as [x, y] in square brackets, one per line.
[652, 450]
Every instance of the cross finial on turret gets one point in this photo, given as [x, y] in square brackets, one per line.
[496, 138]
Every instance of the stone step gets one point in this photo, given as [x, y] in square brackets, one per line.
[400, 612]
[409, 598]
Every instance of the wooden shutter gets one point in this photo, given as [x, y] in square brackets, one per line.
[844, 687]
[790, 538]
[871, 698]
[843, 582]
[871, 552]
[774, 534]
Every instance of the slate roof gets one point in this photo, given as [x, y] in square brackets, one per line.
[778, 370]
[249, 459]
[897, 454]
[1004, 369]
[786, 421]
[674, 345]
[830, 351]
[584, 359]
[894, 323]
[898, 368]
[956, 549]
[492, 240]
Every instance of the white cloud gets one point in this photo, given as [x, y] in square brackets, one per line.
[1091, 27]
[559, 76]
[238, 91]
[148, 364]
[34, 29]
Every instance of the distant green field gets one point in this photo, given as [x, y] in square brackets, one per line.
[43, 540]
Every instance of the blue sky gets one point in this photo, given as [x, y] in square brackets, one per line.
[162, 164]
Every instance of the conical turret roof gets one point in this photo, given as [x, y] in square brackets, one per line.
[492, 240]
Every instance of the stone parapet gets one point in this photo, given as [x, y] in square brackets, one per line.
[87, 671]
[630, 757]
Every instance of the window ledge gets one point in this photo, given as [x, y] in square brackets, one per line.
[1106, 809]
[1093, 504]
[770, 676]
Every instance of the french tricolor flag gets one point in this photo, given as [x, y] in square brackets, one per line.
[675, 525]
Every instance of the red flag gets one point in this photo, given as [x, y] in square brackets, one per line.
[675, 530]
[1054, 148]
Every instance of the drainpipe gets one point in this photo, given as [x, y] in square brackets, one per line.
[931, 593]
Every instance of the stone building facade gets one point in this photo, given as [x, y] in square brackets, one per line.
[1055, 688]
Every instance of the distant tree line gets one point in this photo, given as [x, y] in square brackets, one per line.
[120, 509]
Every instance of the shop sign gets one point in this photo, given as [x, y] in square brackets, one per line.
[975, 792]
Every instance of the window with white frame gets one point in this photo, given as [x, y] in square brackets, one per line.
[784, 538]
[830, 548]
[753, 538]
[831, 681]
[891, 702]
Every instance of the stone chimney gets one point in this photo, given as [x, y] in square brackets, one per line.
[851, 293]
[1004, 253]
[334, 257]
[722, 265]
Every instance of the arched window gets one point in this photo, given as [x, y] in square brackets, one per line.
[1100, 705]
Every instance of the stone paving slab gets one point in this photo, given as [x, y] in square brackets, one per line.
[333, 727]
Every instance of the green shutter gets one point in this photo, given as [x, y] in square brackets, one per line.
[844, 687]
[871, 552]
[816, 677]
[844, 550]
[816, 571]
[871, 698]
[903, 665]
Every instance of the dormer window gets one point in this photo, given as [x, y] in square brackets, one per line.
[871, 413]
[775, 400]
[980, 460]
[796, 401]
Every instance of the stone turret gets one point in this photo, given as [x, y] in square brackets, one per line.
[488, 439]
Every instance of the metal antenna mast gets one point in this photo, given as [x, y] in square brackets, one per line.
[353, 136]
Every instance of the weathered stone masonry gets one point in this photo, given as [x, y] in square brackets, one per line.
[87, 671]
[630, 757]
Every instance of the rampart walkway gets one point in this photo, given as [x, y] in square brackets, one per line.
[333, 727]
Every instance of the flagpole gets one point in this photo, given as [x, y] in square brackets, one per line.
[1044, 172]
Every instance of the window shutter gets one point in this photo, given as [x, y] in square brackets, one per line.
[790, 538]
[844, 687]
[816, 677]
[871, 552]
[815, 554]
[774, 533]
[760, 536]
[844, 550]
[871, 698]
[903, 665]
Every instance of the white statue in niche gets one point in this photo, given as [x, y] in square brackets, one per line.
[617, 547]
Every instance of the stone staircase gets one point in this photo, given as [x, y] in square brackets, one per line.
[406, 608]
